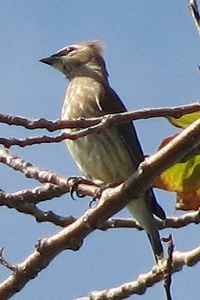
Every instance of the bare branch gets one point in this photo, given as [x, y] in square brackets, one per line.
[144, 281]
[22, 200]
[7, 143]
[109, 120]
[34, 196]
[84, 187]
[88, 125]
[40, 215]
[170, 222]
[5, 263]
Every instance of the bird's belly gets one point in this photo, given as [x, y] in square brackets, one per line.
[102, 157]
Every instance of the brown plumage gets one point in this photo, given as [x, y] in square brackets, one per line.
[111, 155]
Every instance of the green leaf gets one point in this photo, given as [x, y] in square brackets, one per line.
[184, 120]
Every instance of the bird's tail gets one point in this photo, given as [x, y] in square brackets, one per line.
[156, 245]
[143, 215]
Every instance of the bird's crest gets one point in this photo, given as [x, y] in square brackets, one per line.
[97, 46]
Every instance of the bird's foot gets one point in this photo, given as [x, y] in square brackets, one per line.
[74, 182]
[99, 192]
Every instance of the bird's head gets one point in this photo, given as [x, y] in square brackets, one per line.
[79, 60]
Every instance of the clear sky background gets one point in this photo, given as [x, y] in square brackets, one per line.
[152, 53]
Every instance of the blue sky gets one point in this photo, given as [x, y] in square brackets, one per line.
[152, 53]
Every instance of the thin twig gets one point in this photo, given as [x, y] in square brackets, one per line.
[88, 125]
[33, 196]
[5, 263]
[170, 222]
[82, 186]
[110, 119]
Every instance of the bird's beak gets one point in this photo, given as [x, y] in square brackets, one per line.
[49, 60]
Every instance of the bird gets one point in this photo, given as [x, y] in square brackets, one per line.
[112, 155]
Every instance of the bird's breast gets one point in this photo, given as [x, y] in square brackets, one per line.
[102, 157]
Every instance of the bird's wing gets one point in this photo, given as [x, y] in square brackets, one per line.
[111, 103]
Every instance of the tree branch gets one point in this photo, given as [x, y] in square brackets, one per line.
[33, 196]
[23, 202]
[170, 222]
[110, 119]
[144, 281]
[88, 125]
[85, 187]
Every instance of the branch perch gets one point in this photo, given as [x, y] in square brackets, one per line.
[144, 281]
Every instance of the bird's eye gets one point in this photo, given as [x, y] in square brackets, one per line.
[65, 51]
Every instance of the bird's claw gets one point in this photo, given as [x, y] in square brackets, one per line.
[96, 197]
[98, 194]
[74, 182]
